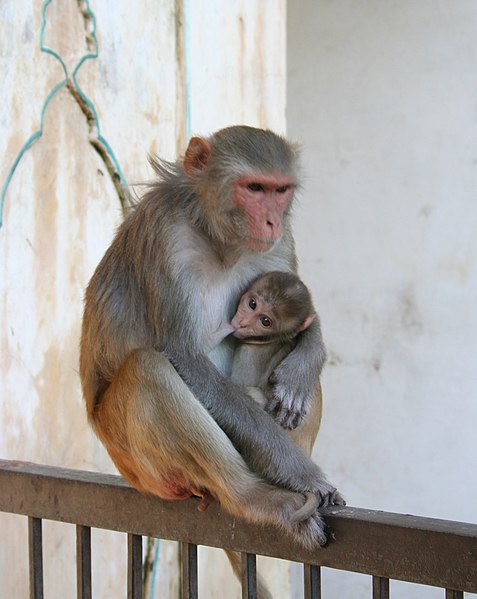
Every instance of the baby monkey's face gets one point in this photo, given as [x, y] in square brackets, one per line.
[254, 317]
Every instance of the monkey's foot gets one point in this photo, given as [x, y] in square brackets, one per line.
[311, 532]
[303, 521]
[312, 529]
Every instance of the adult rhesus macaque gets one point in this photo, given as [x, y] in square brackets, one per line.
[172, 421]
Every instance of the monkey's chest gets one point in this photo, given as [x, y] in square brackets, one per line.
[215, 305]
[252, 365]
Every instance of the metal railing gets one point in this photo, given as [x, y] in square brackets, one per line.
[383, 545]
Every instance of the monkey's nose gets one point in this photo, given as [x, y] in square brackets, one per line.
[271, 225]
[274, 227]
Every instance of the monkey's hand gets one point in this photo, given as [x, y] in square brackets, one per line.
[295, 379]
[286, 406]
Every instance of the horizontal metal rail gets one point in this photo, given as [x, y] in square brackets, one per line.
[384, 545]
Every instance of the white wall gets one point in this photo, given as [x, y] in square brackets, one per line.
[383, 96]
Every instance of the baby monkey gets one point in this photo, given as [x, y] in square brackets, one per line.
[271, 313]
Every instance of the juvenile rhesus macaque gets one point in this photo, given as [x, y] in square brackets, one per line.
[159, 399]
[270, 315]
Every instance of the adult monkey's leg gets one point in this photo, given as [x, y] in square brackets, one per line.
[305, 434]
[162, 438]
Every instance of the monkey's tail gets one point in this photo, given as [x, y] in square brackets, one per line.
[235, 562]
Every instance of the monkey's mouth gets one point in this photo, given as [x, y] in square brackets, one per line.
[238, 334]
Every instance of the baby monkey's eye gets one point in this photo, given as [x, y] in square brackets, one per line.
[266, 322]
[252, 303]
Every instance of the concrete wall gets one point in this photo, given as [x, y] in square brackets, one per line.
[383, 96]
[165, 68]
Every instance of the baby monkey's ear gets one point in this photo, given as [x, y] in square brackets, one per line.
[306, 324]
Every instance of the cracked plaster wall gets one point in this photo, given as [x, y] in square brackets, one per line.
[61, 209]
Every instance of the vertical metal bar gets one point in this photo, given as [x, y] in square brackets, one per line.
[454, 594]
[148, 570]
[189, 579]
[380, 588]
[312, 580]
[249, 576]
[35, 553]
[83, 562]
[134, 566]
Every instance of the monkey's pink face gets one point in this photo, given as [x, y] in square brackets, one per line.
[263, 200]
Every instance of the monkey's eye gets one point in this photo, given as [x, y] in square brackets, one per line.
[266, 322]
[283, 189]
[252, 303]
[255, 187]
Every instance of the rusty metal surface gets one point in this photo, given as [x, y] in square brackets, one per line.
[83, 562]
[421, 550]
[312, 582]
[190, 579]
[134, 566]
[249, 576]
[380, 588]
[35, 552]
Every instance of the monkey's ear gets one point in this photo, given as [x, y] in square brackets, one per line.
[197, 156]
[306, 324]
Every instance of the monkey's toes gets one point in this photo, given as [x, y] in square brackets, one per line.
[313, 532]
[337, 499]
[329, 495]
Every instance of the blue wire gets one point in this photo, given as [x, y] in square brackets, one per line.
[154, 568]
[29, 142]
[49, 98]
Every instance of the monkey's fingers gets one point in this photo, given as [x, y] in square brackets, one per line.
[333, 497]
[287, 411]
[337, 498]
